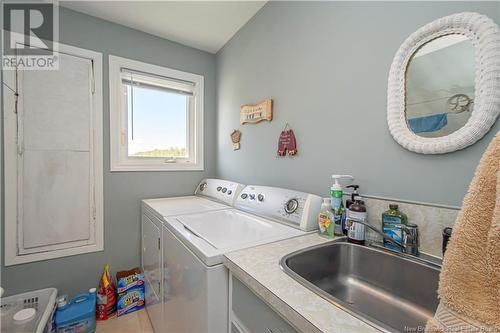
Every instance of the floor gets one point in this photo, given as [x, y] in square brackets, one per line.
[135, 322]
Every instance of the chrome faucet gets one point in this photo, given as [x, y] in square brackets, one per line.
[411, 239]
[410, 242]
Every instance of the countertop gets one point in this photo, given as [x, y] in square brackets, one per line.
[259, 269]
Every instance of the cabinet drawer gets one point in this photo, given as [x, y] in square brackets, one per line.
[255, 315]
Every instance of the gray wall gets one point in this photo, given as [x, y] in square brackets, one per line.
[326, 64]
[122, 190]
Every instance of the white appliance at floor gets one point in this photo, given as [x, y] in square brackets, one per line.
[195, 282]
[210, 195]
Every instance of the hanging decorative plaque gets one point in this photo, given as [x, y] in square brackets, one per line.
[235, 138]
[287, 142]
[257, 112]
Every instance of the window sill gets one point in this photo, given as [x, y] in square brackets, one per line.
[167, 167]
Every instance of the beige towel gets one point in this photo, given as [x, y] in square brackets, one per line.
[469, 284]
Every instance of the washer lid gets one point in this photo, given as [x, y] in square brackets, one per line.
[232, 229]
[183, 205]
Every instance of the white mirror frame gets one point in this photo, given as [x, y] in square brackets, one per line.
[485, 37]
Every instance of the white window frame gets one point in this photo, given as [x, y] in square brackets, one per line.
[119, 161]
[13, 256]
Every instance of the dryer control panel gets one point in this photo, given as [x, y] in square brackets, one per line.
[296, 208]
[221, 190]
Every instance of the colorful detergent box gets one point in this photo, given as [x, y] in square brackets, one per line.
[129, 279]
[130, 288]
[130, 300]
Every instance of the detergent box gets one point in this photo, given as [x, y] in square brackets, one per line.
[130, 287]
[129, 279]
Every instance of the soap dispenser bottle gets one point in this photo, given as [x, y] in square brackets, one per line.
[337, 194]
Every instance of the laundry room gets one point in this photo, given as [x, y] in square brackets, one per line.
[250, 166]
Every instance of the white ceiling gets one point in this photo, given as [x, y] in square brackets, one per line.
[205, 25]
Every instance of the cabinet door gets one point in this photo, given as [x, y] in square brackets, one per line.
[151, 265]
[56, 175]
[253, 314]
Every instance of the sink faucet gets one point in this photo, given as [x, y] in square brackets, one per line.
[410, 237]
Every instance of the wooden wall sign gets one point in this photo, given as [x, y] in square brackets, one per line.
[257, 112]
[287, 142]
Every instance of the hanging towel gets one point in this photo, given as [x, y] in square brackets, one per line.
[428, 123]
[469, 284]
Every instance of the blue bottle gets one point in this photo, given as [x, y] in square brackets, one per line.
[77, 316]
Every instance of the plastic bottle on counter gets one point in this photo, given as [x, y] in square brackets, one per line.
[356, 213]
[325, 218]
[348, 204]
[391, 225]
[337, 197]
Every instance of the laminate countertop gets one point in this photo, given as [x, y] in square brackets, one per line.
[259, 269]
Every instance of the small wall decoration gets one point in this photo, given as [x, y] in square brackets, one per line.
[257, 112]
[459, 103]
[287, 142]
[236, 137]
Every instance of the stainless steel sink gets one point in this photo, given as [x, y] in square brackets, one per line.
[389, 291]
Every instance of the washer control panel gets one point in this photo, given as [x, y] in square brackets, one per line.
[219, 189]
[292, 207]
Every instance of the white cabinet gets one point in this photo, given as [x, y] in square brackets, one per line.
[53, 159]
[249, 314]
[152, 266]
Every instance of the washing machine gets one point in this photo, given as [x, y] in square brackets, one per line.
[195, 282]
[210, 195]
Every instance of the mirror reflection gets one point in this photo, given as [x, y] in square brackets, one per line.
[440, 86]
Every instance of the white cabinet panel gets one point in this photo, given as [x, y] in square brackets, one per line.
[56, 163]
[53, 160]
[56, 106]
[251, 315]
[56, 197]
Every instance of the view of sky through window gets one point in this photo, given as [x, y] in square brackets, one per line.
[159, 123]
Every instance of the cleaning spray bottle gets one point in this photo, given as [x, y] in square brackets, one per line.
[336, 194]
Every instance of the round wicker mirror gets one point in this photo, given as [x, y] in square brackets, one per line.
[433, 109]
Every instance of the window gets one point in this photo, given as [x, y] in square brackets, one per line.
[156, 117]
[53, 159]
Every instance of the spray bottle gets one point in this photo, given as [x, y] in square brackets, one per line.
[336, 194]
